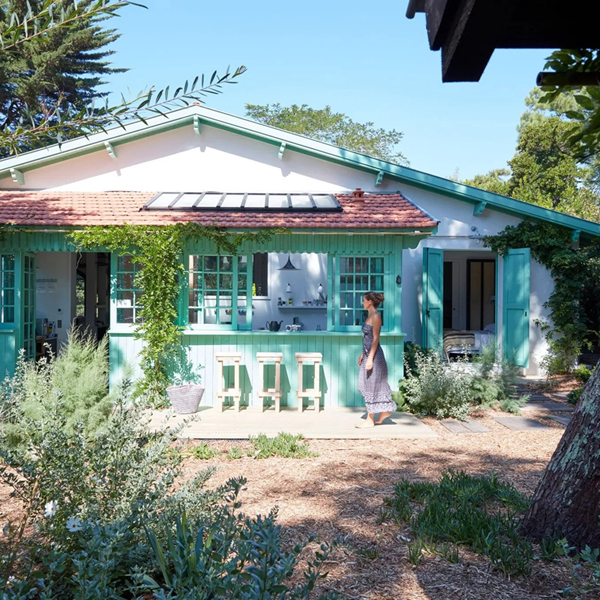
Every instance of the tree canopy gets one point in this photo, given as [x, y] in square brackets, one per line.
[544, 169]
[61, 70]
[334, 128]
[52, 114]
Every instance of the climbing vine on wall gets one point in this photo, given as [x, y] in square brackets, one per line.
[158, 250]
[575, 270]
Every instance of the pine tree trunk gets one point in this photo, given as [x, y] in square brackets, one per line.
[566, 502]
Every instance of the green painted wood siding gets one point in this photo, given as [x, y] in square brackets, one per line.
[339, 370]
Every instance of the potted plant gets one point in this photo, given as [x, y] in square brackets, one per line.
[186, 392]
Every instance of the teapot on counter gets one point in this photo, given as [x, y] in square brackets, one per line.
[273, 325]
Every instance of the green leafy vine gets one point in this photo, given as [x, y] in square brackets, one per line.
[575, 271]
[158, 250]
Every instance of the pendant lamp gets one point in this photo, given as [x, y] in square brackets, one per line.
[288, 265]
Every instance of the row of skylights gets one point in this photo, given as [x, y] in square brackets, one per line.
[252, 202]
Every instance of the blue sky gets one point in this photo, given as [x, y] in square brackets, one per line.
[365, 59]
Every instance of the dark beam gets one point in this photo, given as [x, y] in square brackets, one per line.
[471, 39]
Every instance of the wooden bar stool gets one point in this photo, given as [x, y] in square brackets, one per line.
[274, 392]
[312, 358]
[235, 392]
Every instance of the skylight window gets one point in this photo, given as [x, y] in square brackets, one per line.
[240, 202]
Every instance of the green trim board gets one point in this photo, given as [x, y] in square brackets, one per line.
[193, 115]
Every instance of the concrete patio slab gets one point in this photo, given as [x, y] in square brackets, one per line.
[469, 426]
[520, 423]
[331, 423]
[548, 406]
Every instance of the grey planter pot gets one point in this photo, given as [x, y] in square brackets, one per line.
[185, 398]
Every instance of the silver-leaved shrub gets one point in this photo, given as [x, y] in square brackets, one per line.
[442, 389]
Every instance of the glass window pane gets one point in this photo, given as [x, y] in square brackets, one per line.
[125, 281]
[124, 263]
[125, 298]
[377, 283]
[347, 265]
[210, 263]
[210, 281]
[124, 315]
[362, 284]
[225, 264]
[226, 282]
[194, 262]
[194, 317]
[195, 299]
[242, 264]
[210, 316]
[362, 265]
[9, 314]
[8, 297]
[195, 281]
[377, 265]
[8, 262]
[242, 281]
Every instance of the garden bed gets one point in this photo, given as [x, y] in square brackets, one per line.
[339, 493]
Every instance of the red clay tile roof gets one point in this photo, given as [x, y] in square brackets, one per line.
[58, 208]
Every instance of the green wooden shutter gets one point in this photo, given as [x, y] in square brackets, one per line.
[515, 315]
[433, 297]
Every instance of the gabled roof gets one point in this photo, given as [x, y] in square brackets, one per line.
[195, 116]
[374, 212]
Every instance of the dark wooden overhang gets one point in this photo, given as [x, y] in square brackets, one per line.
[468, 31]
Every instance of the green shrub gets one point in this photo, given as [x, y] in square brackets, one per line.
[574, 395]
[76, 380]
[90, 496]
[582, 374]
[439, 388]
[479, 513]
[232, 557]
[203, 451]
[235, 453]
[285, 445]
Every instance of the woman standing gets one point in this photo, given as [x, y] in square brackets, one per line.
[373, 373]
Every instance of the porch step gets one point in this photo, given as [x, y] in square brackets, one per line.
[469, 426]
[520, 423]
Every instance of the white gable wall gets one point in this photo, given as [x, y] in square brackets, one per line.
[217, 160]
[181, 160]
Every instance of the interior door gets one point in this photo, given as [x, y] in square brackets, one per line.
[516, 280]
[433, 298]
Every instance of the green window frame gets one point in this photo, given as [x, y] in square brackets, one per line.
[7, 288]
[218, 288]
[127, 293]
[29, 305]
[356, 276]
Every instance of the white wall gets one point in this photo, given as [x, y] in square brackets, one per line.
[55, 297]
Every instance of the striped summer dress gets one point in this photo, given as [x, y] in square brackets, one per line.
[373, 385]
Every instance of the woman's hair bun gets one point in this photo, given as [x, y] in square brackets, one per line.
[375, 297]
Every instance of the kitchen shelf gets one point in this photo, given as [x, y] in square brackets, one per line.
[296, 307]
